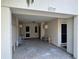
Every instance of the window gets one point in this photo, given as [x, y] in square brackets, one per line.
[27, 28]
[35, 29]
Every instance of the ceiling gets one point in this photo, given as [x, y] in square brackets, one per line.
[37, 15]
[35, 18]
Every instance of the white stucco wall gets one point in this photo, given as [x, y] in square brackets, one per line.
[32, 29]
[6, 33]
[60, 6]
[52, 31]
[15, 31]
[42, 30]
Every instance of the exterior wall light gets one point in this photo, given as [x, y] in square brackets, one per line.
[46, 26]
[20, 26]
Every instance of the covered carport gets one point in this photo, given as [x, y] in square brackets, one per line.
[7, 14]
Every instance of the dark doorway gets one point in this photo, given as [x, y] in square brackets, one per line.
[35, 29]
[63, 33]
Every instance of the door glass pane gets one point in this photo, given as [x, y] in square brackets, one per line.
[27, 28]
[35, 29]
[27, 35]
[64, 33]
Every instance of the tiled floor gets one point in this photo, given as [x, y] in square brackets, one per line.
[37, 49]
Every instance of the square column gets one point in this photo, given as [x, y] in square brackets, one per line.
[75, 41]
[6, 33]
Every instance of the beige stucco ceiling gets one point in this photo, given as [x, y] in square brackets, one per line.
[38, 16]
[35, 18]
